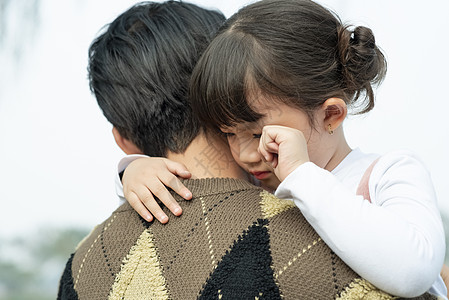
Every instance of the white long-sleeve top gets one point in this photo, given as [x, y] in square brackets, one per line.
[396, 241]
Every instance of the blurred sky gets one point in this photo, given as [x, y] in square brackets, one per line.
[57, 153]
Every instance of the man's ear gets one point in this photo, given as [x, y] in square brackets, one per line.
[126, 145]
[335, 111]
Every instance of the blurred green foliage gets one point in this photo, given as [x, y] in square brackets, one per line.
[30, 266]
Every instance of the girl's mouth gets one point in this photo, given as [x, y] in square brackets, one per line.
[261, 175]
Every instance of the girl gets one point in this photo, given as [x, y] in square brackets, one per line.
[277, 81]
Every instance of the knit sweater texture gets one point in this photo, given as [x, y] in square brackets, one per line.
[233, 241]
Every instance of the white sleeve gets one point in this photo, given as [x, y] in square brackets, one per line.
[123, 163]
[397, 242]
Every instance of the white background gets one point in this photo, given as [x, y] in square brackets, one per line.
[57, 154]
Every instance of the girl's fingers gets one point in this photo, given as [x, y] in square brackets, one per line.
[176, 185]
[264, 148]
[178, 169]
[262, 151]
[160, 191]
[272, 147]
[138, 206]
[150, 203]
[274, 162]
[269, 158]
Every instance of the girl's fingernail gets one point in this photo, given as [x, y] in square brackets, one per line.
[177, 210]
[163, 218]
[188, 195]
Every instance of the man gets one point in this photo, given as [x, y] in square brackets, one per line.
[234, 240]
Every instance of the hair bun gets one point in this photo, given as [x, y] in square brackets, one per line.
[363, 37]
[363, 64]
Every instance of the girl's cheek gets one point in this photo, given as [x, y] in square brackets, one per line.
[236, 157]
[253, 149]
[235, 153]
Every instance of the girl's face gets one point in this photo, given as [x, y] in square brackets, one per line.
[244, 138]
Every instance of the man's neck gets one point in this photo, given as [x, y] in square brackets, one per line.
[209, 157]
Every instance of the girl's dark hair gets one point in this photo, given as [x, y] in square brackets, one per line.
[293, 51]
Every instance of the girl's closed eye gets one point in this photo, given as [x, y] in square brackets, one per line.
[227, 134]
[231, 134]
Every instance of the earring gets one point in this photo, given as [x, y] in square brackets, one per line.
[329, 129]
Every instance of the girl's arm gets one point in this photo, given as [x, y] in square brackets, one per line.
[396, 242]
[145, 178]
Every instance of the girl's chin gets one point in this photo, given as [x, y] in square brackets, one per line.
[271, 183]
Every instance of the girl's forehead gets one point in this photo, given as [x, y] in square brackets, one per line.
[242, 127]
[266, 105]
[257, 99]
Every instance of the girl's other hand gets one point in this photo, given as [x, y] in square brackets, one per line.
[146, 178]
[283, 148]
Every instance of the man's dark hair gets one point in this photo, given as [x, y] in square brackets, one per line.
[140, 67]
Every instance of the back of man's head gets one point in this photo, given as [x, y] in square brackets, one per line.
[139, 71]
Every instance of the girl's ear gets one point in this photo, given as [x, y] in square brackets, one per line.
[335, 111]
[126, 145]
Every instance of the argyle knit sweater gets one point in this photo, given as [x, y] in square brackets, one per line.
[233, 241]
